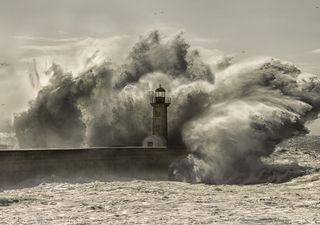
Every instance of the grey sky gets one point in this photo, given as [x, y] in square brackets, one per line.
[286, 29]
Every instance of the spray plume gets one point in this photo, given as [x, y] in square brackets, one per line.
[34, 75]
[227, 121]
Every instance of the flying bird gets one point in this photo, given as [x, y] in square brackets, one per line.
[158, 13]
[4, 64]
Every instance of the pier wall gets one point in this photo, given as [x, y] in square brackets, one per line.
[136, 162]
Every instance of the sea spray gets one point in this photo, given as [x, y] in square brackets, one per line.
[227, 121]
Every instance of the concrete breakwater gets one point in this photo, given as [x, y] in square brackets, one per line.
[137, 162]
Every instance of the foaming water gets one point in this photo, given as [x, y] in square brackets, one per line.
[116, 201]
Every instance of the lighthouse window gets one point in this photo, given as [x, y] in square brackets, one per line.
[160, 94]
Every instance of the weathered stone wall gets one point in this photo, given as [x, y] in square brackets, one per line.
[136, 162]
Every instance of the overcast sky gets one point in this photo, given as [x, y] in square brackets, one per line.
[285, 29]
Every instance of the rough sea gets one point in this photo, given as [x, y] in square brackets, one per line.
[130, 201]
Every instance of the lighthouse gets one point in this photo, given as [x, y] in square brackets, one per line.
[159, 103]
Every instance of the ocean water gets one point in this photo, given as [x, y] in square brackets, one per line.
[88, 201]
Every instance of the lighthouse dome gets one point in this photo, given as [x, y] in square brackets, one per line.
[160, 89]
